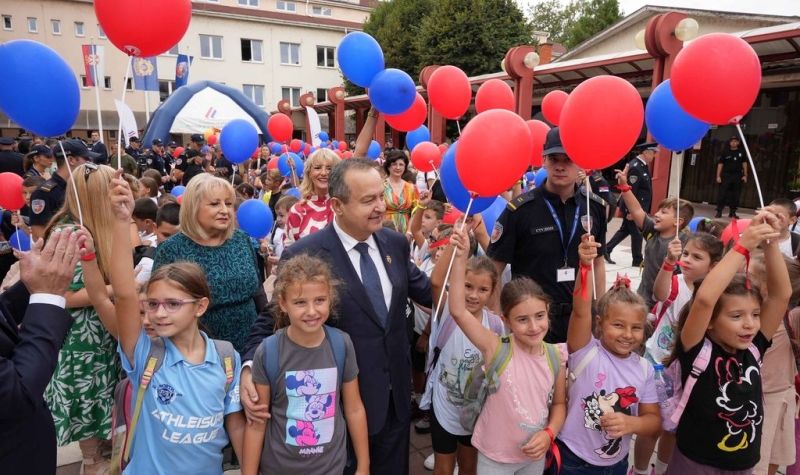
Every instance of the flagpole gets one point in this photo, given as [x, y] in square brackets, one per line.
[146, 107]
[119, 129]
[97, 92]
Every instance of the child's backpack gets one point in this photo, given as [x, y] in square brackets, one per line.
[124, 421]
[272, 357]
[660, 308]
[672, 409]
[483, 382]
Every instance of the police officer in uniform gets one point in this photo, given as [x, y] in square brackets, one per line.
[731, 173]
[10, 161]
[134, 149]
[641, 183]
[539, 232]
[156, 159]
[48, 198]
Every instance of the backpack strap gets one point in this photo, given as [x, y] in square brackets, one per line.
[754, 351]
[496, 324]
[447, 326]
[500, 359]
[699, 365]
[227, 355]
[271, 362]
[155, 356]
[553, 359]
[589, 356]
[336, 340]
[666, 304]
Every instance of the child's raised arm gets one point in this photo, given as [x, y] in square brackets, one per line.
[129, 323]
[415, 225]
[579, 332]
[483, 338]
[717, 280]
[96, 287]
[779, 287]
[634, 208]
[663, 282]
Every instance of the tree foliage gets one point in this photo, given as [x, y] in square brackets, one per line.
[575, 22]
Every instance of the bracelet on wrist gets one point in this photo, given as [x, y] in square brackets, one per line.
[586, 266]
[550, 434]
[741, 250]
[624, 188]
[88, 257]
[667, 266]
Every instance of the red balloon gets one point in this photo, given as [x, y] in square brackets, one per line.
[426, 156]
[449, 91]
[452, 216]
[295, 145]
[552, 104]
[11, 191]
[280, 127]
[411, 119]
[347, 155]
[716, 78]
[493, 130]
[179, 199]
[144, 27]
[539, 134]
[601, 121]
[734, 230]
[494, 94]
[177, 152]
[443, 147]
[307, 149]
[212, 139]
[342, 145]
[272, 164]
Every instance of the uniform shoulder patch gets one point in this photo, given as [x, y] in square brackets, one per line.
[633, 179]
[520, 200]
[497, 232]
[37, 206]
[594, 197]
[48, 186]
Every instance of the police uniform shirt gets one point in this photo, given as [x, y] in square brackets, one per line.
[190, 172]
[526, 236]
[641, 184]
[732, 163]
[11, 162]
[156, 162]
[32, 172]
[47, 200]
[600, 186]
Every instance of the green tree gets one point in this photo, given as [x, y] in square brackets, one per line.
[575, 22]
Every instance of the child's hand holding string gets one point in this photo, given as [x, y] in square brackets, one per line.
[587, 250]
[760, 229]
[674, 250]
[460, 241]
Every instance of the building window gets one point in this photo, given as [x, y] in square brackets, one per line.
[210, 47]
[165, 88]
[84, 84]
[290, 53]
[79, 30]
[322, 94]
[291, 94]
[255, 93]
[129, 84]
[321, 11]
[325, 55]
[107, 82]
[286, 6]
[55, 25]
[100, 32]
[7, 25]
[251, 51]
[248, 3]
[172, 51]
[33, 25]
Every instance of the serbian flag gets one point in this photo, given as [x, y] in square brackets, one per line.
[182, 70]
[93, 61]
[145, 74]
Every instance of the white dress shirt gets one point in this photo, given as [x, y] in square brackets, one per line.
[50, 299]
[349, 244]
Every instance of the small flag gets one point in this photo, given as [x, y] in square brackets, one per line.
[93, 61]
[127, 121]
[145, 74]
[182, 70]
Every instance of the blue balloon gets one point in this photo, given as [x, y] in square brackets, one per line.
[294, 192]
[285, 169]
[417, 136]
[324, 144]
[493, 212]
[178, 190]
[669, 124]
[38, 89]
[335, 145]
[374, 150]
[276, 148]
[360, 58]
[323, 136]
[238, 139]
[255, 218]
[457, 195]
[530, 177]
[541, 176]
[392, 91]
[695, 222]
[20, 241]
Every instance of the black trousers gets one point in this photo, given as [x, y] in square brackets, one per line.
[388, 449]
[628, 228]
[729, 191]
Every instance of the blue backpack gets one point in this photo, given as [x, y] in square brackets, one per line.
[272, 356]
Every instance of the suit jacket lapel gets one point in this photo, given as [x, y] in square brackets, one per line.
[344, 269]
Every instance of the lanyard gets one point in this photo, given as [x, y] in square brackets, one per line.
[564, 245]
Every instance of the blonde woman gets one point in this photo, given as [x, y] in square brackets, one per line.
[313, 211]
[209, 237]
[81, 392]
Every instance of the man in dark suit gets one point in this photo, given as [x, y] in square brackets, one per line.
[99, 148]
[374, 265]
[33, 325]
[642, 187]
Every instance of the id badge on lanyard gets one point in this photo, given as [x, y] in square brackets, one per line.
[564, 273]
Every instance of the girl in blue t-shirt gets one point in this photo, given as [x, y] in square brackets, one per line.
[308, 373]
[195, 389]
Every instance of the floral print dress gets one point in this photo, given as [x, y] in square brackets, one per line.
[399, 207]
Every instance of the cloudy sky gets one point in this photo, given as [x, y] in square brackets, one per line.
[774, 7]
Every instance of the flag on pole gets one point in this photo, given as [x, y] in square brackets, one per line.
[93, 61]
[182, 70]
[313, 122]
[127, 121]
[145, 74]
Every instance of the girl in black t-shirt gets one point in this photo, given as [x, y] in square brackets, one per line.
[720, 429]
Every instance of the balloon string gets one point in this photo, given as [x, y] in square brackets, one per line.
[72, 179]
[678, 194]
[450, 265]
[119, 126]
[436, 173]
[589, 225]
[458, 126]
[752, 165]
